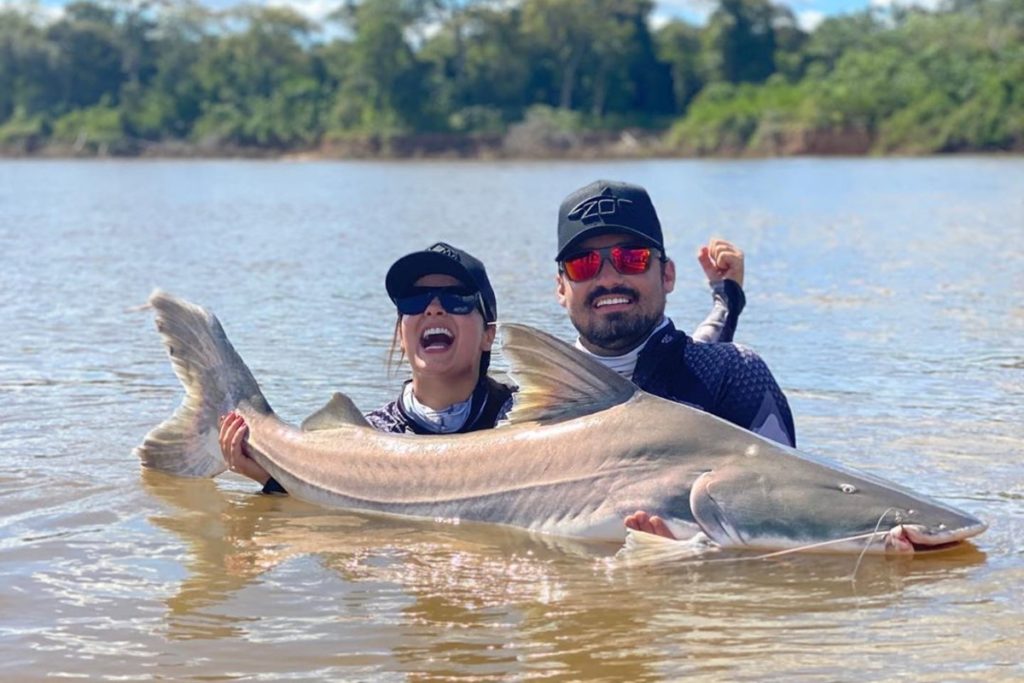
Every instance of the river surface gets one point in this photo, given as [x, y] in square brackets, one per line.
[886, 295]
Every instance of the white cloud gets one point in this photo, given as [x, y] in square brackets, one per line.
[923, 4]
[659, 20]
[809, 19]
[685, 5]
[315, 10]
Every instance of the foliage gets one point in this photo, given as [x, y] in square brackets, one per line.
[545, 128]
[110, 76]
[924, 83]
[21, 134]
[95, 129]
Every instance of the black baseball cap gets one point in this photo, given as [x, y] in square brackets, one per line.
[448, 260]
[606, 206]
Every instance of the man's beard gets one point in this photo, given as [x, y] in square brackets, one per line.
[616, 331]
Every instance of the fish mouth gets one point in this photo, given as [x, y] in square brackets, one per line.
[916, 538]
[436, 339]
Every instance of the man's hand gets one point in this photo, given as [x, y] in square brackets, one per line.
[235, 450]
[721, 260]
[641, 521]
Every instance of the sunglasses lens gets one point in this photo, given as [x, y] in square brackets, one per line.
[458, 304]
[631, 260]
[582, 267]
[414, 304]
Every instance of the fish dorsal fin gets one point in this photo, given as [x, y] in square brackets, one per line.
[340, 411]
[556, 381]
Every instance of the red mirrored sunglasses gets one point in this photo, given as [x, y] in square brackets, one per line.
[585, 265]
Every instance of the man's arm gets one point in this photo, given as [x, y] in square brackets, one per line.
[722, 263]
[727, 302]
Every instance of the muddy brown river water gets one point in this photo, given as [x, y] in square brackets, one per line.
[884, 294]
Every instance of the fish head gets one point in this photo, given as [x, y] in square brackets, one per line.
[811, 504]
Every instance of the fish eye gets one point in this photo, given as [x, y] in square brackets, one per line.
[848, 488]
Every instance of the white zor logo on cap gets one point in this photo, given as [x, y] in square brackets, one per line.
[596, 207]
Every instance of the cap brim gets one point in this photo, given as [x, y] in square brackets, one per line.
[404, 273]
[605, 229]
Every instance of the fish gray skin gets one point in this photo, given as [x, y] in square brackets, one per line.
[583, 449]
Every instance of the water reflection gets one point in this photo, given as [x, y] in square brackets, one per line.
[446, 600]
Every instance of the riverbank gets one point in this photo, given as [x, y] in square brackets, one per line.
[624, 144]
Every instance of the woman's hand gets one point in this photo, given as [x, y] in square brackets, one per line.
[235, 450]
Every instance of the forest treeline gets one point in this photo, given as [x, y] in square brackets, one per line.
[527, 77]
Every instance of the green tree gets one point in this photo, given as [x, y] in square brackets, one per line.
[838, 35]
[480, 74]
[597, 55]
[173, 97]
[29, 67]
[561, 33]
[739, 41]
[382, 89]
[258, 85]
[628, 76]
[790, 40]
[90, 55]
[679, 46]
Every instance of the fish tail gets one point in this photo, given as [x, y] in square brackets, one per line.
[216, 381]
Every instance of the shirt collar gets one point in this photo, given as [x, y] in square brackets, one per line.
[624, 364]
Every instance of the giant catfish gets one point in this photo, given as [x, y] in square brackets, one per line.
[582, 449]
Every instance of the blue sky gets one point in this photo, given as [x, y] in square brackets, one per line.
[808, 12]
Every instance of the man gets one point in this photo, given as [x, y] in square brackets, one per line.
[613, 279]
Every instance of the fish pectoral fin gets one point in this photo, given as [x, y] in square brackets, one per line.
[340, 411]
[556, 381]
[642, 548]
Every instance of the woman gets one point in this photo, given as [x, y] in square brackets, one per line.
[445, 328]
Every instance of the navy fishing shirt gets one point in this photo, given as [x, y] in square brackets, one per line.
[724, 379]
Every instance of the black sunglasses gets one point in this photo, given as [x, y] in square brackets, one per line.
[454, 300]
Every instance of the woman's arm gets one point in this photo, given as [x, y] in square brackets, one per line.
[235, 450]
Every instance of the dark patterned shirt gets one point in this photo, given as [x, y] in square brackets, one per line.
[724, 379]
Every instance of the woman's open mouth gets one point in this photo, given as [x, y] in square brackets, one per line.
[436, 339]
